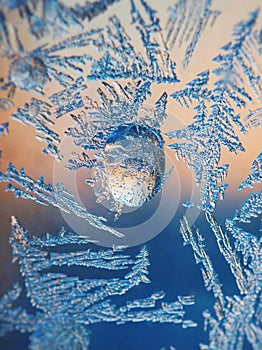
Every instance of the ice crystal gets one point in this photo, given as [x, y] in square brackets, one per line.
[186, 22]
[42, 193]
[68, 99]
[104, 78]
[32, 70]
[255, 176]
[69, 304]
[37, 113]
[56, 18]
[4, 129]
[237, 317]
[120, 59]
[216, 114]
[253, 119]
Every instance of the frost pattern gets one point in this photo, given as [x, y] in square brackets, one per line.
[32, 70]
[79, 302]
[238, 317]
[38, 113]
[56, 17]
[256, 174]
[216, 96]
[186, 22]
[120, 103]
[216, 117]
[4, 129]
[120, 60]
[217, 114]
[44, 194]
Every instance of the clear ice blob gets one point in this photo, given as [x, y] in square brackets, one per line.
[29, 73]
[134, 164]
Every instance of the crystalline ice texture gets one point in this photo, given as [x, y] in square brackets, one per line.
[135, 164]
[29, 73]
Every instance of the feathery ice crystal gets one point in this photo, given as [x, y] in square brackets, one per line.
[106, 80]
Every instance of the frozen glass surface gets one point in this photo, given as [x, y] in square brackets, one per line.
[130, 174]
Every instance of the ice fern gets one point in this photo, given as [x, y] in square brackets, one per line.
[237, 318]
[256, 174]
[186, 22]
[120, 58]
[115, 76]
[67, 305]
[218, 114]
[37, 113]
[55, 19]
[43, 193]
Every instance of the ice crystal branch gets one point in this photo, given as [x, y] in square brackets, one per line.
[85, 300]
[209, 274]
[45, 194]
[53, 17]
[253, 119]
[202, 150]
[37, 113]
[237, 317]
[228, 253]
[242, 318]
[4, 129]
[120, 59]
[256, 174]
[252, 208]
[14, 318]
[239, 61]
[186, 22]
[68, 99]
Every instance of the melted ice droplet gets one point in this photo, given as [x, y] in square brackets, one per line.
[135, 164]
[29, 73]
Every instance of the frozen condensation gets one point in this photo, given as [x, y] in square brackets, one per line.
[67, 304]
[103, 77]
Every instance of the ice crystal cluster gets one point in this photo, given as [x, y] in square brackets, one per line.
[70, 304]
[103, 78]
